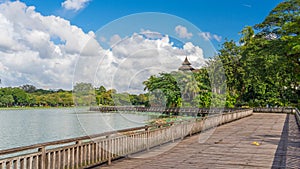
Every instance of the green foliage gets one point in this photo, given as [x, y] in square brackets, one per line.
[121, 99]
[84, 94]
[28, 88]
[189, 87]
[6, 100]
[263, 70]
[168, 121]
[164, 90]
[141, 99]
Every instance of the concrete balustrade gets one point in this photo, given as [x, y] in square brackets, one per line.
[297, 115]
[275, 110]
[188, 111]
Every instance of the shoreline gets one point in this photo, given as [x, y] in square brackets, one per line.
[45, 107]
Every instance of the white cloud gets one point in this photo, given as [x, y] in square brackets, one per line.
[134, 59]
[102, 39]
[205, 35]
[217, 38]
[151, 34]
[114, 39]
[28, 52]
[247, 5]
[74, 4]
[8, 38]
[182, 32]
[209, 36]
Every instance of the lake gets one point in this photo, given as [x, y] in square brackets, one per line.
[31, 126]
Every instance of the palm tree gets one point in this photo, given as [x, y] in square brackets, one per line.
[188, 85]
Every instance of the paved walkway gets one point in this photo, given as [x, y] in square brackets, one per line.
[229, 146]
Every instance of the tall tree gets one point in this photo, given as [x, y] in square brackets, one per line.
[28, 88]
[282, 28]
[164, 86]
[84, 94]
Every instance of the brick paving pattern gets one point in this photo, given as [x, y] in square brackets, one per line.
[229, 146]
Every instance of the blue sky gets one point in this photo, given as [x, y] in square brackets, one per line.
[224, 18]
[115, 43]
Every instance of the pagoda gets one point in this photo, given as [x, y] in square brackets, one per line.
[186, 65]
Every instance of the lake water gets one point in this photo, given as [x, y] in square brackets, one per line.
[31, 126]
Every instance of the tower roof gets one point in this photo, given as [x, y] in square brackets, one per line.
[186, 65]
[186, 62]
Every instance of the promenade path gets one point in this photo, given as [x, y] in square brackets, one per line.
[229, 146]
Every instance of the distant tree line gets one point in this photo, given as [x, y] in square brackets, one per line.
[83, 94]
[29, 95]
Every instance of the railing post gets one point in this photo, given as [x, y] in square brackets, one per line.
[8, 164]
[172, 127]
[42, 161]
[109, 150]
[191, 128]
[148, 138]
[78, 155]
[161, 135]
[182, 129]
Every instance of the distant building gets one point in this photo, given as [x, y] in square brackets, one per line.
[186, 66]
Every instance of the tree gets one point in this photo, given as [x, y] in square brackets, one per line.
[188, 86]
[20, 96]
[143, 99]
[203, 99]
[122, 99]
[100, 90]
[264, 68]
[84, 94]
[230, 55]
[270, 58]
[164, 88]
[65, 98]
[6, 100]
[28, 88]
[282, 30]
